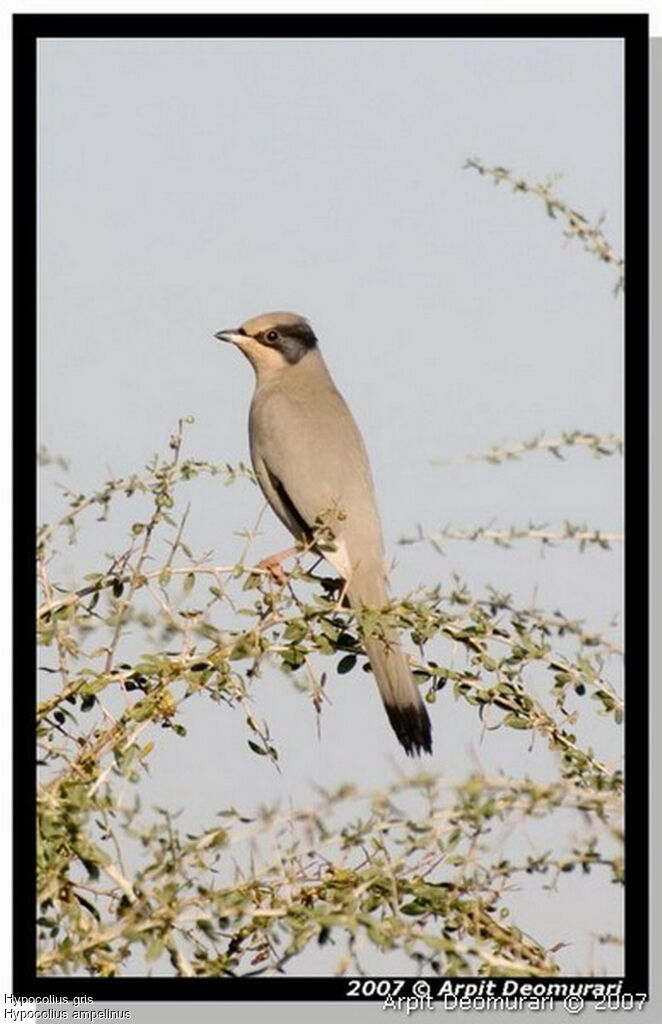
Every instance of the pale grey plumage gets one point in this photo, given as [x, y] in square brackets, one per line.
[311, 463]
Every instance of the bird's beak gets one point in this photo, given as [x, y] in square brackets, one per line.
[233, 335]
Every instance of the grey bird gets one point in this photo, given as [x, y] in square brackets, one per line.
[312, 466]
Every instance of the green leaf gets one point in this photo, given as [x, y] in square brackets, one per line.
[415, 907]
[142, 710]
[516, 722]
[296, 630]
[294, 657]
[154, 950]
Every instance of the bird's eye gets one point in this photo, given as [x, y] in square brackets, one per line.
[272, 335]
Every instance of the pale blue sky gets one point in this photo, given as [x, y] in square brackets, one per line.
[186, 185]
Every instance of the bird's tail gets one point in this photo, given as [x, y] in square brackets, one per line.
[400, 694]
[402, 699]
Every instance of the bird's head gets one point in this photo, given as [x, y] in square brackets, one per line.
[272, 341]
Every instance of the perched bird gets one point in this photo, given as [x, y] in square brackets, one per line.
[311, 463]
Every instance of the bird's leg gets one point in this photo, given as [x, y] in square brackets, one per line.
[343, 600]
[272, 563]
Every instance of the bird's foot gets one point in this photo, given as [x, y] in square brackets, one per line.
[272, 564]
[336, 586]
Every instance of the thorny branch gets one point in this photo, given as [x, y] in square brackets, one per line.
[412, 867]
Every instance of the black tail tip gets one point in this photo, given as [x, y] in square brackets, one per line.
[411, 724]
